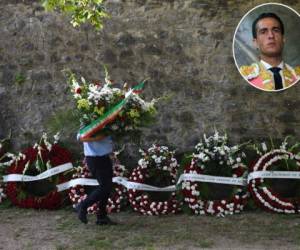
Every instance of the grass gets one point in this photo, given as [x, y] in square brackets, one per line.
[205, 243]
[60, 247]
[138, 241]
[99, 243]
[20, 79]
[66, 224]
[62, 230]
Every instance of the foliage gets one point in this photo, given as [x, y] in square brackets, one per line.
[65, 120]
[81, 11]
[20, 79]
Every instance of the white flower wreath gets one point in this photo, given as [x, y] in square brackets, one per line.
[215, 151]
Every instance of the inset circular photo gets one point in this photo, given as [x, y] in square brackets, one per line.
[266, 47]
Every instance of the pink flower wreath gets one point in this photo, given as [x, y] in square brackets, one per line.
[263, 195]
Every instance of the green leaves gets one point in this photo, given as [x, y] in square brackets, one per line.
[81, 11]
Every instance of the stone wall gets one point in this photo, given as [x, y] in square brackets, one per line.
[184, 47]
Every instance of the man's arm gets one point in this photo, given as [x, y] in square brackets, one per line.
[98, 137]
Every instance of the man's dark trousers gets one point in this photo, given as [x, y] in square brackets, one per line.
[101, 169]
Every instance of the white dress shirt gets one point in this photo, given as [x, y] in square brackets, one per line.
[280, 65]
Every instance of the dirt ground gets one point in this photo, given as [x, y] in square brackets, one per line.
[32, 229]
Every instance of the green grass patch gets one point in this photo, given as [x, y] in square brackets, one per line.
[97, 243]
[141, 241]
[205, 243]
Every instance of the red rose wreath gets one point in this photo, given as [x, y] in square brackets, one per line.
[33, 161]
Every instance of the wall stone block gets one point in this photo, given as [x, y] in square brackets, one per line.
[184, 47]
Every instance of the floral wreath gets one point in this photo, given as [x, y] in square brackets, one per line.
[155, 159]
[214, 154]
[95, 100]
[118, 197]
[35, 160]
[264, 196]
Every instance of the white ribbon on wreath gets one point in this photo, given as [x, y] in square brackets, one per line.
[212, 179]
[48, 173]
[140, 186]
[119, 180]
[274, 174]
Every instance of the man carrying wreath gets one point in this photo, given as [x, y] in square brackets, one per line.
[96, 150]
[105, 110]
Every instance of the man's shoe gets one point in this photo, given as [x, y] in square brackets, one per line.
[105, 221]
[81, 213]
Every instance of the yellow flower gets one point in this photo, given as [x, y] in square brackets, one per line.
[133, 113]
[99, 111]
[136, 121]
[83, 104]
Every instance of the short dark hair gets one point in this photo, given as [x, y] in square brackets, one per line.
[265, 15]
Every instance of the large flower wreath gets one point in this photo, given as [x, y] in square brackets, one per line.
[118, 197]
[159, 167]
[32, 161]
[215, 158]
[281, 159]
[104, 100]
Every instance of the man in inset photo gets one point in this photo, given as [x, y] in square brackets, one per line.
[271, 72]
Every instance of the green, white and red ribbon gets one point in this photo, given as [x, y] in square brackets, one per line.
[110, 115]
